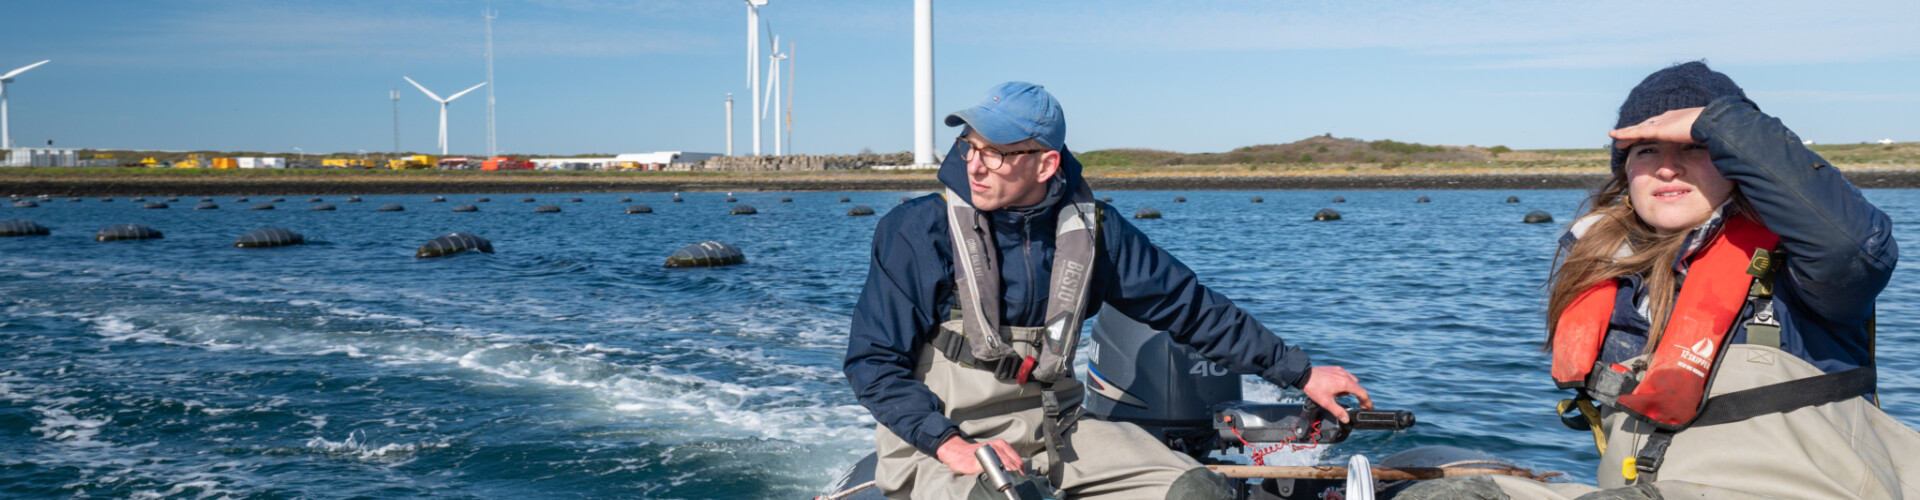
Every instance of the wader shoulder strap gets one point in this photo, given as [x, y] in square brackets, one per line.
[1764, 400]
[978, 288]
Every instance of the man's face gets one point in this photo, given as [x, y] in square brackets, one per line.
[1008, 175]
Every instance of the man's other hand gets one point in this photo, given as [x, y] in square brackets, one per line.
[958, 454]
[1325, 384]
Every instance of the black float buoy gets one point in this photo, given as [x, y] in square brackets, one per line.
[438, 199]
[858, 210]
[269, 237]
[453, 243]
[676, 198]
[1257, 199]
[1326, 214]
[573, 200]
[107, 199]
[25, 204]
[731, 199]
[844, 199]
[707, 254]
[742, 210]
[1513, 199]
[786, 199]
[1538, 217]
[1423, 199]
[1179, 199]
[904, 199]
[126, 232]
[1339, 199]
[135, 200]
[626, 199]
[277, 199]
[262, 206]
[465, 207]
[170, 199]
[528, 199]
[1147, 213]
[640, 209]
[1106, 199]
[22, 228]
[315, 199]
[155, 205]
[73, 200]
[206, 205]
[483, 199]
[206, 199]
[390, 207]
[321, 208]
[353, 199]
[547, 209]
[242, 199]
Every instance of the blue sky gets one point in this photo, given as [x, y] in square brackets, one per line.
[580, 76]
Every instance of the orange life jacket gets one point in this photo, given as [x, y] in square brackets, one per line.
[1673, 390]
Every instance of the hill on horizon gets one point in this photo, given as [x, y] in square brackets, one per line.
[1316, 149]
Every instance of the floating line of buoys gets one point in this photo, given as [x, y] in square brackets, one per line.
[859, 210]
[206, 205]
[639, 209]
[1326, 214]
[321, 208]
[742, 210]
[1537, 217]
[269, 237]
[155, 205]
[706, 254]
[22, 228]
[466, 207]
[126, 232]
[453, 243]
[1147, 213]
[547, 209]
[390, 207]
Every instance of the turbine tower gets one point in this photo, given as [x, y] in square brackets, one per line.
[443, 108]
[773, 93]
[788, 121]
[729, 124]
[6, 136]
[923, 82]
[753, 65]
[490, 14]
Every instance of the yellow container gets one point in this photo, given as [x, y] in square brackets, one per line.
[226, 163]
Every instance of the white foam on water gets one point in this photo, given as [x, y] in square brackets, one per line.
[357, 447]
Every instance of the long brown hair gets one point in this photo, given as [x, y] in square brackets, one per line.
[1591, 260]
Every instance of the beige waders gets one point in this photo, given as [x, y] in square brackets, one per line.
[1841, 450]
[1104, 460]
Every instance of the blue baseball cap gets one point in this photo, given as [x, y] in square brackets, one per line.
[1014, 112]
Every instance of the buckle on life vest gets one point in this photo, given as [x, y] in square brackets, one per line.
[1026, 369]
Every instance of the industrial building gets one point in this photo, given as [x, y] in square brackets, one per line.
[42, 157]
[659, 160]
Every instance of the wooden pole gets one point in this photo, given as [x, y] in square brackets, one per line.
[1379, 473]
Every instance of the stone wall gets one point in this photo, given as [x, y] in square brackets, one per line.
[794, 162]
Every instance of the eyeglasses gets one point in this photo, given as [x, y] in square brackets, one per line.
[991, 158]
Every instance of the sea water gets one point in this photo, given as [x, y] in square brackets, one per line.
[572, 364]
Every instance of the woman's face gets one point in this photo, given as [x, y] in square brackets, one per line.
[1674, 186]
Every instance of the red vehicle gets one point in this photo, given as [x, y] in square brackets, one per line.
[505, 163]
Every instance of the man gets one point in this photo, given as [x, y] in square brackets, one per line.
[965, 332]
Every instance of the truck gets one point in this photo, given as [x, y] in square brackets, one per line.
[505, 163]
[411, 162]
[347, 163]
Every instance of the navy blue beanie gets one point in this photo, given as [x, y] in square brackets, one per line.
[1681, 86]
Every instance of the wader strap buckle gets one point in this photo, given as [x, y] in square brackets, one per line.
[1647, 462]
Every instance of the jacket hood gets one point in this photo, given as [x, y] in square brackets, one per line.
[953, 171]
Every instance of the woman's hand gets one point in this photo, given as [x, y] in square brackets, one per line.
[1671, 126]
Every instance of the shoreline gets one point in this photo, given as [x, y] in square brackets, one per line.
[161, 185]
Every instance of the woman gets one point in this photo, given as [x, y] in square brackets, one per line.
[1722, 260]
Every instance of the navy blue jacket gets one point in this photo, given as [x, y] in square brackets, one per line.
[909, 292]
[1839, 248]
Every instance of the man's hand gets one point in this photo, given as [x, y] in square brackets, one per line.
[1671, 126]
[1325, 384]
[958, 455]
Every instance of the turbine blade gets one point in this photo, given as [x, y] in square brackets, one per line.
[17, 72]
[464, 92]
[417, 85]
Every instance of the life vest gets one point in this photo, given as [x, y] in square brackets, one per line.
[1673, 390]
[976, 264]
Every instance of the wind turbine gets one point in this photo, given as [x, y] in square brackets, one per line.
[773, 93]
[753, 65]
[6, 136]
[443, 108]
